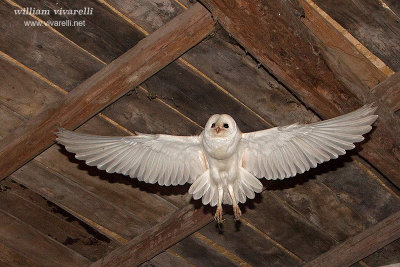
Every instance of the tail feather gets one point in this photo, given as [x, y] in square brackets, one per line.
[245, 187]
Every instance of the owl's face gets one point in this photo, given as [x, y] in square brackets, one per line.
[221, 126]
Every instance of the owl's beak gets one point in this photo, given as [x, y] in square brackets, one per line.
[217, 129]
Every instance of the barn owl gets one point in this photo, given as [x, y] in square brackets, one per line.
[222, 163]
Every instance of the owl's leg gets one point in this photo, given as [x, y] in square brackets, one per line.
[236, 210]
[218, 213]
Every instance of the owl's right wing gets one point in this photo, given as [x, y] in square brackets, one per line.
[166, 159]
[283, 152]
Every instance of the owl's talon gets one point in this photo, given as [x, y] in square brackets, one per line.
[218, 215]
[237, 212]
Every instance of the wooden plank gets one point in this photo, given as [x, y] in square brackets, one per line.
[121, 75]
[24, 93]
[371, 23]
[359, 67]
[10, 257]
[202, 252]
[52, 221]
[389, 91]
[27, 95]
[45, 251]
[292, 54]
[361, 245]
[179, 225]
[104, 34]
[121, 191]
[389, 254]
[166, 259]
[110, 220]
[248, 245]
[393, 6]
[270, 215]
[18, 39]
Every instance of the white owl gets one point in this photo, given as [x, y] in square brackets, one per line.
[222, 163]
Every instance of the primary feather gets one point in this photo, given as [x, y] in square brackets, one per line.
[222, 163]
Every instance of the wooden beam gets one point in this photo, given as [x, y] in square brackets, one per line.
[361, 245]
[179, 225]
[389, 91]
[132, 68]
[273, 32]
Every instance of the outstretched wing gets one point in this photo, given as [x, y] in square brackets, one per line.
[282, 152]
[166, 159]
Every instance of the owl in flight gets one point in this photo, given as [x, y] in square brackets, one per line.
[222, 163]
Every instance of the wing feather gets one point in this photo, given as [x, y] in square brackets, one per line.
[166, 159]
[282, 152]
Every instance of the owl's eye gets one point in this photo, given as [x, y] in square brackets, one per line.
[213, 125]
[226, 125]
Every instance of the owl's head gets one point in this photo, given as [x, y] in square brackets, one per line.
[221, 126]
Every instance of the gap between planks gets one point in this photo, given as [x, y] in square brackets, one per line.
[361, 48]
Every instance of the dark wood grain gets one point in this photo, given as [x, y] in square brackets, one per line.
[56, 58]
[166, 259]
[27, 95]
[248, 245]
[105, 34]
[389, 91]
[36, 246]
[389, 254]
[362, 245]
[372, 24]
[394, 6]
[292, 54]
[179, 225]
[106, 86]
[10, 257]
[275, 218]
[52, 221]
[71, 197]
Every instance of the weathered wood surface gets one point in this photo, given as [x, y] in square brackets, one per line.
[362, 245]
[394, 6]
[389, 91]
[46, 54]
[52, 221]
[389, 254]
[247, 244]
[292, 54]
[106, 86]
[357, 66]
[69, 196]
[120, 193]
[180, 224]
[10, 257]
[371, 23]
[105, 34]
[34, 245]
[167, 259]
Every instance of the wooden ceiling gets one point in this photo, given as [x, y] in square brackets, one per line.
[267, 63]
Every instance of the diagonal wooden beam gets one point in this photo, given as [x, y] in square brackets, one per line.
[273, 32]
[361, 245]
[179, 225]
[129, 70]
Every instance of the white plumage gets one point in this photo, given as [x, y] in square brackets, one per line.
[222, 163]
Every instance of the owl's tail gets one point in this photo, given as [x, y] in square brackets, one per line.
[244, 187]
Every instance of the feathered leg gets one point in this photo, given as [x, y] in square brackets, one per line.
[218, 213]
[236, 210]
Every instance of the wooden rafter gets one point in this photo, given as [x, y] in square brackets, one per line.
[179, 225]
[273, 33]
[132, 68]
[361, 245]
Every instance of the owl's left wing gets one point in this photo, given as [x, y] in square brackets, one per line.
[282, 152]
[166, 159]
